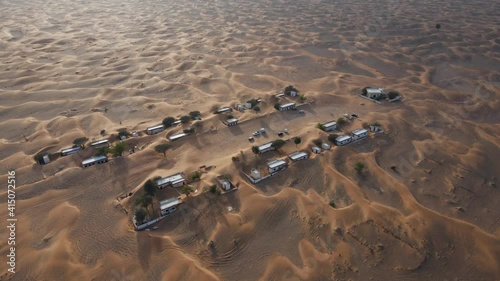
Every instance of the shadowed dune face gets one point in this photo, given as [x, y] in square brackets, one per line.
[424, 208]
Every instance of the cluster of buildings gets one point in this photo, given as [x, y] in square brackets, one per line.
[355, 135]
[273, 167]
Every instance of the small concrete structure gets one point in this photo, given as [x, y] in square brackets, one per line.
[223, 110]
[46, 159]
[316, 149]
[266, 147]
[225, 184]
[299, 155]
[326, 146]
[240, 107]
[231, 122]
[276, 165]
[287, 106]
[94, 161]
[176, 180]
[155, 129]
[330, 126]
[177, 136]
[343, 140]
[359, 134]
[169, 206]
[293, 93]
[255, 174]
[69, 151]
[100, 143]
[248, 105]
[374, 93]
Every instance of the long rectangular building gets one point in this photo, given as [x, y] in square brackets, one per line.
[71, 150]
[94, 161]
[176, 180]
[100, 143]
[155, 129]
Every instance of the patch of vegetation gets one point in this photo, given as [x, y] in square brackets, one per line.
[303, 97]
[102, 151]
[213, 189]
[289, 89]
[196, 176]
[162, 148]
[253, 102]
[188, 131]
[140, 215]
[103, 132]
[332, 203]
[320, 126]
[235, 159]
[195, 114]
[80, 141]
[341, 121]
[277, 106]
[185, 119]
[359, 167]
[255, 149]
[150, 187]
[277, 144]
[393, 95]
[168, 121]
[229, 116]
[256, 108]
[332, 137]
[187, 190]
[297, 140]
[118, 149]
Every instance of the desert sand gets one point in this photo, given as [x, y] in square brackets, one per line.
[424, 208]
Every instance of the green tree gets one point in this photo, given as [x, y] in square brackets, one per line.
[150, 187]
[332, 137]
[341, 121]
[277, 144]
[332, 203]
[140, 215]
[80, 141]
[320, 126]
[102, 151]
[359, 167]
[167, 122]
[187, 190]
[303, 97]
[196, 176]
[119, 149]
[255, 149]
[185, 119]
[194, 114]
[256, 108]
[213, 189]
[297, 140]
[147, 200]
[162, 148]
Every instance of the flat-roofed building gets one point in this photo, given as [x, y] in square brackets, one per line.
[71, 150]
[263, 148]
[299, 155]
[231, 122]
[374, 93]
[100, 143]
[177, 136]
[359, 134]
[343, 140]
[176, 180]
[94, 161]
[330, 126]
[155, 129]
[276, 165]
[223, 110]
[169, 206]
[287, 106]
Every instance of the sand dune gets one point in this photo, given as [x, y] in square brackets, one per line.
[424, 208]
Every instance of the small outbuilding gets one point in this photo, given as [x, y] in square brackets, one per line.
[231, 122]
[330, 126]
[359, 134]
[316, 149]
[325, 146]
[299, 155]
[266, 147]
[276, 165]
[287, 106]
[169, 206]
[343, 140]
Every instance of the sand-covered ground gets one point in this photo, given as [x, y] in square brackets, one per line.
[426, 207]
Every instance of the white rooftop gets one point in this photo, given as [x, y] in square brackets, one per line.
[232, 120]
[287, 104]
[265, 146]
[330, 124]
[99, 141]
[76, 148]
[156, 127]
[374, 90]
[276, 163]
[342, 138]
[165, 204]
[359, 131]
[297, 155]
[171, 179]
[94, 159]
[177, 136]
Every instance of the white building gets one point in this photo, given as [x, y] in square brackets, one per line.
[240, 107]
[287, 106]
[293, 93]
[325, 146]
[94, 161]
[374, 93]
[169, 206]
[342, 140]
[224, 110]
[359, 134]
[100, 143]
[266, 147]
[255, 174]
[177, 136]
[280, 95]
[231, 122]
[69, 151]
[46, 159]
[299, 155]
[330, 126]
[176, 180]
[155, 129]
[276, 165]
